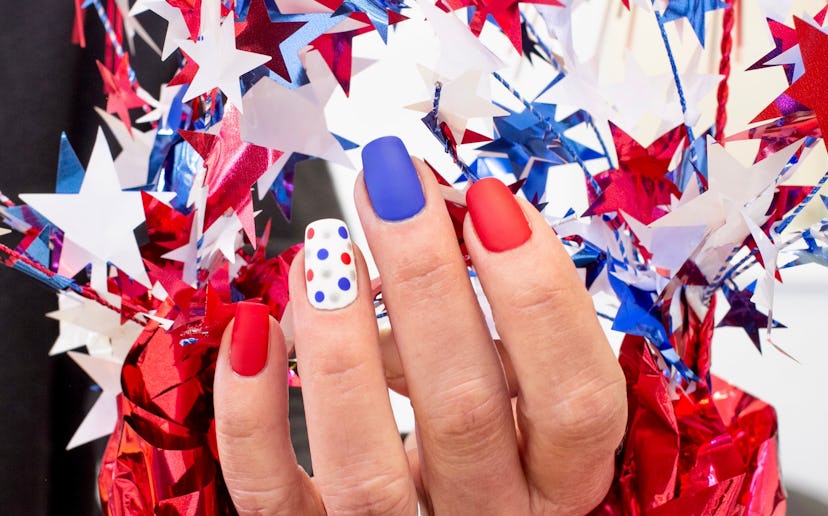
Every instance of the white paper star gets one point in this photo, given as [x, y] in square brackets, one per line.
[639, 95]
[268, 104]
[177, 30]
[462, 99]
[220, 63]
[460, 50]
[735, 191]
[101, 419]
[84, 322]
[99, 220]
[132, 27]
[776, 9]
[162, 106]
[131, 163]
[696, 87]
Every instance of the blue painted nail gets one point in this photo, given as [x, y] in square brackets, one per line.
[393, 184]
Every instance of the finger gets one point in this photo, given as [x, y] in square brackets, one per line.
[412, 450]
[251, 406]
[571, 405]
[452, 372]
[359, 463]
[395, 376]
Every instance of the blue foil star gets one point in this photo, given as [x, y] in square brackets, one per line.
[638, 315]
[377, 11]
[744, 314]
[532, 145]
[694, 11]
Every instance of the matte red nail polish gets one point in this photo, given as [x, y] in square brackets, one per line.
[248, 345]
[496, 215]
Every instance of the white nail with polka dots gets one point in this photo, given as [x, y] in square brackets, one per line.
[330, 273]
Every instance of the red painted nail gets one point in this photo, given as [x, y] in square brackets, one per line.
[248, 346]
[496, 215]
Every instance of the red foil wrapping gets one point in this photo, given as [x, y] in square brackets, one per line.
[162, 458]
[708, 451]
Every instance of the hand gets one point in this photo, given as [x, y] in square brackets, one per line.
[542, 442]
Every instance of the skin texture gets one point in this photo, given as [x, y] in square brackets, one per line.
[527, 425]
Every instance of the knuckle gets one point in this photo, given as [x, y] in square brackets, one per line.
[593, 415]
[343, 369]
[261, 501]
[387, 493]
[233, 426]
[424, 271]
[262, 497]
[547, 299]
[253, 502]
[466, 418]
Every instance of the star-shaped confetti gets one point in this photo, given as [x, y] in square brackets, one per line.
[461, 99]
[136, 146]
[98, 220]
[639, 185]
[121, 93]
[269, 103]
[505, 13]
[694, 11]
[177, 29]
[261, 35]
[233, 167]
[744, 314]
[220, 63]
[532, 141]
[102, 417]
[381, 13]
[810, 89]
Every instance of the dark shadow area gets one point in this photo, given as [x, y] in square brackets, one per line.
[48, 85]
[801, 504]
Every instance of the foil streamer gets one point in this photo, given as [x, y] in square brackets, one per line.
[695, 445]
[162, 457]
[712, 451]
[159, 459]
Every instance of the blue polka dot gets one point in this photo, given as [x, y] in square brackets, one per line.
[344, 284]
[343, 232]
[319, 296]
[322, 254]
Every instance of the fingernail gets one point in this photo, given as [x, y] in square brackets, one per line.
[392, 181]
[330, 272]
[496, 215]
[248, 345]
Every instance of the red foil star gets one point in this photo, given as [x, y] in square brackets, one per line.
[233, 167]
[118, 87]
[259, 34]
[505, 12]
[778, 134]
[191, 11]
[809, 91]
[336, 48]
[638, 186]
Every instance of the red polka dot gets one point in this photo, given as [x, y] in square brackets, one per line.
[310, 233]
[310, 274]
[346, 258]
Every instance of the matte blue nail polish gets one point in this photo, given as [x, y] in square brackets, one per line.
[393, 184]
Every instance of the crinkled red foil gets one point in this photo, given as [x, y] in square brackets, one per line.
[712, 451]
[162, 459]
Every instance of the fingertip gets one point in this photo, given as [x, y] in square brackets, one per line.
[251, 415]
